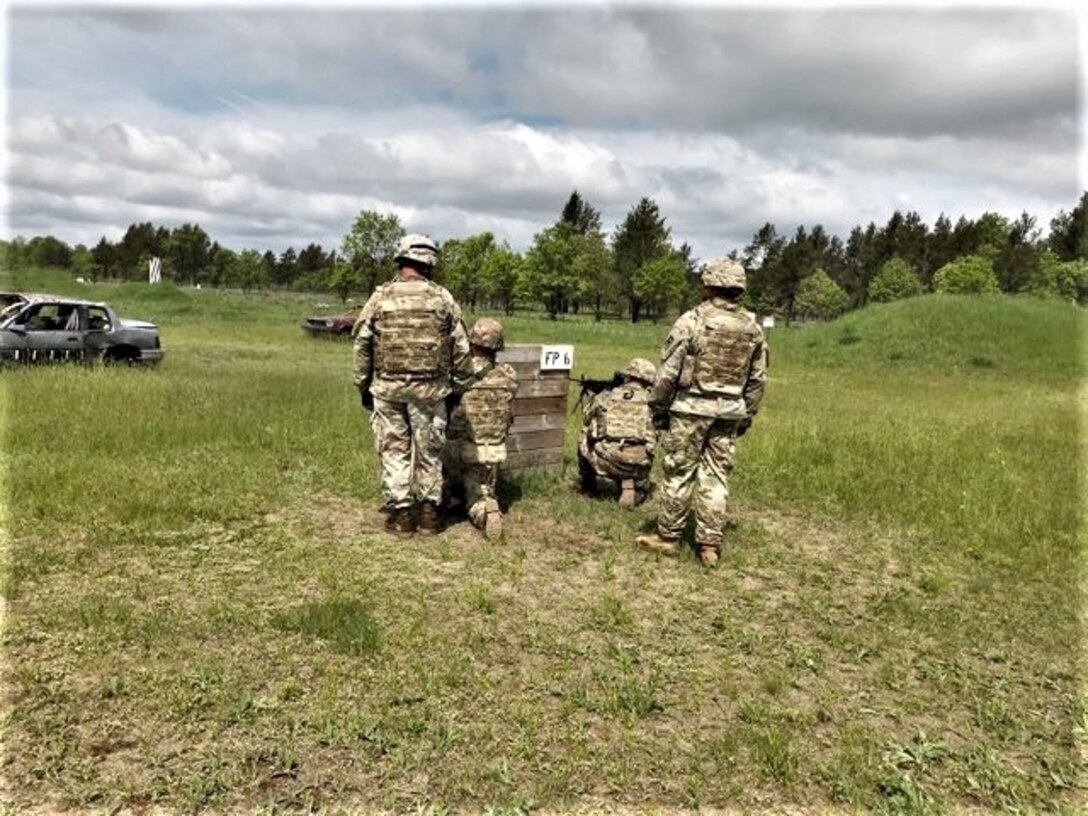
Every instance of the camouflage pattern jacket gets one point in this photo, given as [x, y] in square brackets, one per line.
[713, 363]
[480, 421]
[618, 424]
[410, 343]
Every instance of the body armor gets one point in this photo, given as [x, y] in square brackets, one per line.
[412, 339]
[626, 416]
[486, 408]
[725, 342]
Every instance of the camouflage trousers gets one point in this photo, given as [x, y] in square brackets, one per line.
[698, 454]
[478, 480]
[614, 461]
[409, 437]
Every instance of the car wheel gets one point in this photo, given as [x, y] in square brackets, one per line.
[120, 356]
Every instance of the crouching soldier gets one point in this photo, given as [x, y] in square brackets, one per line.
[618, 436]
[476, 437]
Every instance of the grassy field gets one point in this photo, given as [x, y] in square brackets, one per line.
[203, 614]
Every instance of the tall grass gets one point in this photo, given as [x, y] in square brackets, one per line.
[203, 611]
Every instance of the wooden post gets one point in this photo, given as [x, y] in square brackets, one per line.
[536, 438]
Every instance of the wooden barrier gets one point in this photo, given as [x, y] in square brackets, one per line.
[540, 411]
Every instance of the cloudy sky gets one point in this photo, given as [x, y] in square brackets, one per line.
[274, 125]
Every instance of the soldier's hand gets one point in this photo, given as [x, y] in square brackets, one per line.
[453, 399]
[366, 399]
[743, 426]
[661, 420]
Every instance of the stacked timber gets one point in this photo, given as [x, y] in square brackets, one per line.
[540, 411]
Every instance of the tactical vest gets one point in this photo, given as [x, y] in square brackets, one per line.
[412, 339]
[626, 415]
[725, 340]
[486, 409]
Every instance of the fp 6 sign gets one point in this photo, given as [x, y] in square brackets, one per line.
[556, 358]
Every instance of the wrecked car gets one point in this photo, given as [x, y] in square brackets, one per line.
[339, 325]
[50, 329]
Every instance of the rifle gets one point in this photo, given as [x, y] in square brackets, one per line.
[594, 387]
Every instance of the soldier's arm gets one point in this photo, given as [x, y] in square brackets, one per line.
[464, 369]
[363, 346]
[757, 377]
[673, 353]
[512, 388]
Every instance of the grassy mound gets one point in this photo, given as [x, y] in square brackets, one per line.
[948, 333]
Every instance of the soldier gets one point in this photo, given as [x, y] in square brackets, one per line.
[476, 443]
[708, 389]
[618, 436]
[411, 350]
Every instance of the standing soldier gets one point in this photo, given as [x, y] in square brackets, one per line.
[709, 386]
[411, 349]
[618, 436]
[476, 444]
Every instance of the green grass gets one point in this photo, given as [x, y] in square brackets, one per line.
[202, 610]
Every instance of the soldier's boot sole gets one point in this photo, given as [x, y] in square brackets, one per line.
[493, 522]
[709, 556]
[657, 544]
[628, 496]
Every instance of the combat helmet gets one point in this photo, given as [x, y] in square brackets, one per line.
[487, 333]
[641, 369]
[417, 248]
[724, 273]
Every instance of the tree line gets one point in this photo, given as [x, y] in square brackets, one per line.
[636, 273]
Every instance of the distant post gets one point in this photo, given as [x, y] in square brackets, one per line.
[154, 270]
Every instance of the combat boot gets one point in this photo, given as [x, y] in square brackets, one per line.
[628, 496]
[428, 519]
[709, 555]
[399, 522]
[493, 521]
[658, 544]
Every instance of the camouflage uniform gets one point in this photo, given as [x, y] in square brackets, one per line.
[711, 382]
[476, 441]
[618, 439]
[410, 351]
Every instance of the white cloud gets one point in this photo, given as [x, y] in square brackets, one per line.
[273, 128]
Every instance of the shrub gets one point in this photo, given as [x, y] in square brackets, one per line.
[895, 281]
[820, 298]
[970, 275]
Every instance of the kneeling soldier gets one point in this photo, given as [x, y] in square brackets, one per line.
[476, 438]
[618, 436]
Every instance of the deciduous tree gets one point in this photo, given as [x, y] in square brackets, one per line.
[970, 275]
[660, 282]
[895, 280]
[820, 298]
[553, 271]
[369, 247]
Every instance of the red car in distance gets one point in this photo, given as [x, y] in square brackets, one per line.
[339, 325]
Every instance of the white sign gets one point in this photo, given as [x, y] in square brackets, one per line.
[154, 270]
[556, 358]
[768, 322]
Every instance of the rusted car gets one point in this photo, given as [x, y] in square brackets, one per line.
[339, 325]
